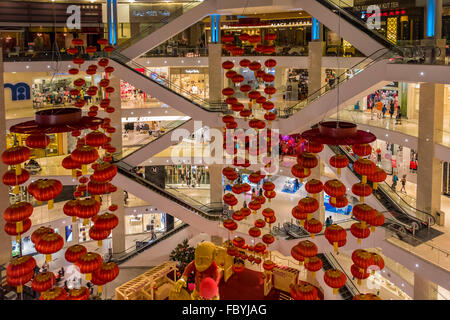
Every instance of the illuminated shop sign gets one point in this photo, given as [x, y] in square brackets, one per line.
[192, 71]
[150, 13]
[393, 13]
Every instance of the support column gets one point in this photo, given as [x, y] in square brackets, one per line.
[316, 173]
[215, 72]
[429, 173]
[215, 182]
[118, 233]
[433, 33]
[5, 240]
[424, 289]
[315, 60]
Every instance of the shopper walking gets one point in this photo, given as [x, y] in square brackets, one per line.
[391, 107]
[394, 182]
[383, 110]
[403, 181]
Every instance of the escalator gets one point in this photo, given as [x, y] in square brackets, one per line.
[404, 216]
[158, 32]
[350, 25]
[349, 290]
[136, 157]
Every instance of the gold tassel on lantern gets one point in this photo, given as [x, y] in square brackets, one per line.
[16, 189]
[339, 171]
[18, 238]
[85, 222]
[359, 240]
[372, 228]
[335, 290]
[48, 257]
[84, 169]
[88, 276]
[19, 289]
[364, 179]
[19, 227]
[375, 185]
[97, 198]
[100, 243]
[74, 173]
[100, 290]
[18, 169]
[335, 246]
[51, 203]
[74, 219]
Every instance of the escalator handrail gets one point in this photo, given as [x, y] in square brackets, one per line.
[395, 203]
[163, 192]
[370, 60]
[200, 102]
[122, 158]
[122, 256]
[359, 24]
[126, 44]
[333, 261]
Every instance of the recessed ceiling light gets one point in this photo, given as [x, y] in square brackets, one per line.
[421, 73]
[27, 67]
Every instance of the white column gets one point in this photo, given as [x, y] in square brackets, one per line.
[5, 240]
[314, 67]
[215, 180]
[429, 172]
[118, 233]
[215, 72]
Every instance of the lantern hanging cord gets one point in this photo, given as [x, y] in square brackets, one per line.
[337, 58]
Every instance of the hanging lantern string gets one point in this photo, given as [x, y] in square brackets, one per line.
[337, 58]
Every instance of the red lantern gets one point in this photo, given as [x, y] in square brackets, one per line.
[359, 232]
[244, 37]
[270, 91]
[73, 253]
[304, 291]
[313, 265]
[255, 38]
[109, 70]
[88, 263]
[16, 213]
[48, 244]
[300, 172]
[11, 179]
[378, 176]
[268, 265]
[313, 226]
[99, 235]
[268, 105]
[105, 221]
[77, 42]
[230, 225]
[267, 213]
[78, 60]
[335, 279]
[108, 49]
[339, 161]
[268, 239]
[43, 281]
[376, 221]
[237, 215]
[359, 274]
[72, 51]
[364, 213]
[270, 63]
[12, 227]
[378, 261]
[96, 139]
[245, 88]
[364, 167]
[339, 202]
[84, 155]
[238, 267]
[15, 156]
[308, 205]
[87, 208]
[238, 242]
[246, 212]
[255, 66]
[307, 249]
[227, 65]
[254, 232]
[37, 141]
[19, 281]
[298, 214]
[362, 150]
[362, 259]
[362, 190]
[45, 190]
[270, 37]
[296, 253]
[103, 62]
[314, 187]
[268, 77]
[228, 91]
[107, 272]
[227, 38]
[233, 251]
[38, 233]
[307, 160]
[105, 172]
[230, 101]
[334, 188]
[73, 71]
[56, 293]
[237, 78]
[230, 199]
[336, 235]
[254, 205]
[82, 293]
[20, 267]
[260, 223]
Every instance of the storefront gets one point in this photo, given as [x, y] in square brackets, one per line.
[401, 21]
[193, 80]
[296, 84]
[188, 175]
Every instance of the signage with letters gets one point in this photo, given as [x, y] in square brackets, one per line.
[19, 91]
